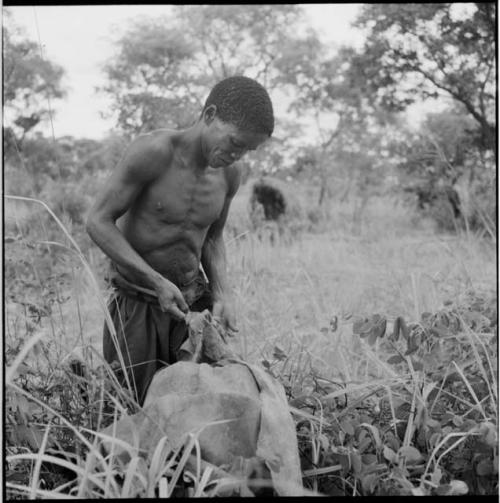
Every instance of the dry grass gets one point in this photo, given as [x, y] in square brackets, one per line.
[287, 291]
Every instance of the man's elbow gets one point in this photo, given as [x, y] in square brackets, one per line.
[92, 224]
[213, 247]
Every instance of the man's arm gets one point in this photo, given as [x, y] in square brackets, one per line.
[213, 257]
[139, 167]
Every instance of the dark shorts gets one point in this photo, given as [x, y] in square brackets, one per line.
[147, 337]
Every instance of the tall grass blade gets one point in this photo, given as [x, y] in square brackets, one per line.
[38, 464]
[470, 389]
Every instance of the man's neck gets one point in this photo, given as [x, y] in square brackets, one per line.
[191, 148]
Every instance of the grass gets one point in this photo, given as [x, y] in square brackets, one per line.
[289, 290]
[297, 297]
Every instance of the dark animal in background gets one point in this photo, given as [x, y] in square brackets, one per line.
[270, 197]
[429, 195]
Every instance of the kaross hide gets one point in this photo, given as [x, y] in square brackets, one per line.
[239, 411]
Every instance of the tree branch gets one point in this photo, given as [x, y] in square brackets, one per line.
[470, 107]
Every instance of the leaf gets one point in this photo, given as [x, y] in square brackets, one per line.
[265, 364]
[377, 467]
[395, 359]
[373, 327]
[361, 327]
[390, 455]
[419, 491]
[300, 401]
[28, 435]
[437, 475]
[489, 433]
[334, 323]
[380, 323]
[368, 483]
[364, 444]
[342, 459]
[410, 453]
[403, 327]
[363, 418]
[21, 477]
[458, 488]
[417, 365]
[447, 417]
[396, 329]
[362, 433]
[412, 345]
[23, 408]
[356, 463]
[347, 427]
[392, 441]
[369, 459]
[375, 434]
[454, 488]
[452, 377]
[484, 468]
[278, 353]
[325, 443]
[372, 338]
[432, 423]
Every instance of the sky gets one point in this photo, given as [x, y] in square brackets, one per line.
[79, 39]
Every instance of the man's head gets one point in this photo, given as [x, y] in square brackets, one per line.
[238, 116]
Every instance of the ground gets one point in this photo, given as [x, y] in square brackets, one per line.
[297, 297]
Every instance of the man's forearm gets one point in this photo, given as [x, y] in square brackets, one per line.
[112, 242]
[213, 260]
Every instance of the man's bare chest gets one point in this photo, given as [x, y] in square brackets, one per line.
[181, 196]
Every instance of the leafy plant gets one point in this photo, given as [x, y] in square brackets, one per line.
[432, 431]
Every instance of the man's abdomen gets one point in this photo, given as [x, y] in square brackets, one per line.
[172, 250]
[179, 262]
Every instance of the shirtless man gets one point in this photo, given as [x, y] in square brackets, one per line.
[161, 214]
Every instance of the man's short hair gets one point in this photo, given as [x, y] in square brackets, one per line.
[243, 102]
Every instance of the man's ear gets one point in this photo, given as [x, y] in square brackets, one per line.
[209, 114]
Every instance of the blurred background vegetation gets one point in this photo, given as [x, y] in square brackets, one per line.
[362, 146]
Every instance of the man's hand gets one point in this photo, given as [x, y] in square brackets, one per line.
[224, 312]
[171, 299]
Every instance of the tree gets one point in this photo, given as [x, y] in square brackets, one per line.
[451, 179]
[29, 81]
[241, 39]
[419, 51]
[350, 127]
[165, 68]
[148, 80]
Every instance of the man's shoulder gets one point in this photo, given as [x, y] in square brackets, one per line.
[233, 178]
[150, 152]
[157, 144]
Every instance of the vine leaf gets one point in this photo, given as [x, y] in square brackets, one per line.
[371, 328]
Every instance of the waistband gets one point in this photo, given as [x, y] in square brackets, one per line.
[191, 291]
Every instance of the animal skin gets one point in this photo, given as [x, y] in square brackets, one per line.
[238, 412]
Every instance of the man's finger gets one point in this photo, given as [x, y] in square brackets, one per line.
[181, 302]
[176, 312]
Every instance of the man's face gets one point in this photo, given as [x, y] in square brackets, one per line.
[225, 143]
